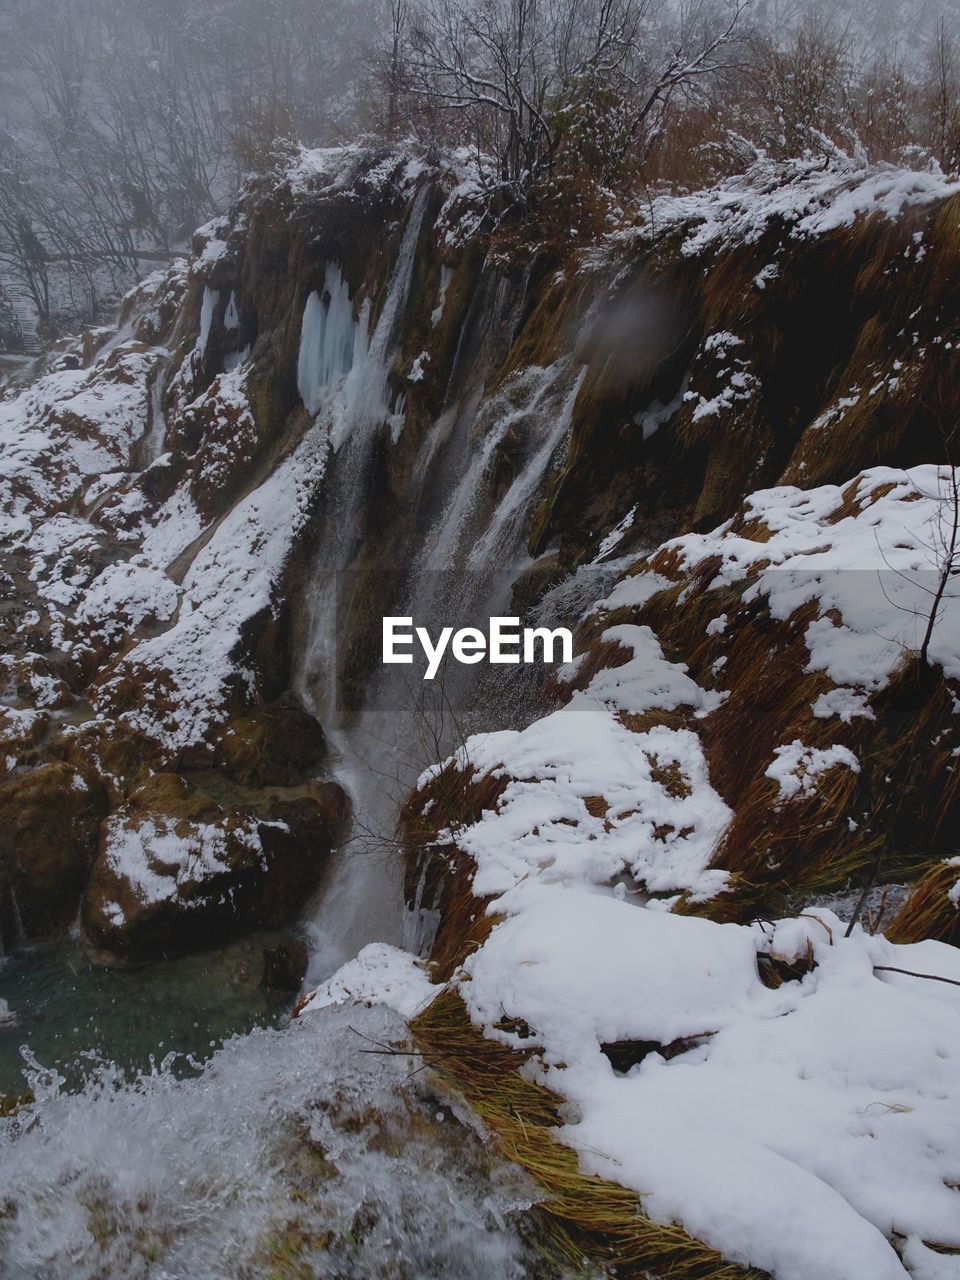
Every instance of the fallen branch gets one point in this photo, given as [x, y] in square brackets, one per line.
[931, 977]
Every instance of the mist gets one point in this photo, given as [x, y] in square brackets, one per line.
[127, 124]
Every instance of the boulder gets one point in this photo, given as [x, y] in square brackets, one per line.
[333, 802]
[165, 883]
[276, 745]
[49, 822]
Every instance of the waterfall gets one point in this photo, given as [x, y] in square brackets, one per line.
[207, 307]
[157, 427]
[344, 376]
[343, 372]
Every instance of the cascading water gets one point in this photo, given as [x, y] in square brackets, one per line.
[295, 1152]
[466, 555]
[342, 374]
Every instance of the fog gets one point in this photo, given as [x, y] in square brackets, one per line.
[125, 124]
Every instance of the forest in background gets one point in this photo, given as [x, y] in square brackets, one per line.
[125, 124]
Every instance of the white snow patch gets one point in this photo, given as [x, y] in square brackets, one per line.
[797, 767]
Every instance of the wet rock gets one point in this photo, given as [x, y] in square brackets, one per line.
[20, 732]
[285, 965]
[106, 747]
[49, 820]
[185, 874]
[276, 745]
[170, 794]
[333, 802]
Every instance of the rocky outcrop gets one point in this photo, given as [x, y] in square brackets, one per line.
[172, 487]
[175, 872]
[276, 745]
[49, 821]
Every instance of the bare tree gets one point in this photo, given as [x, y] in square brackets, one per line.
[522, 75]
[493, 64]
[946, 549]
[943, 99]
[394, 62]
[798, 91]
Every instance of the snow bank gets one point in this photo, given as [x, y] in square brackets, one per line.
[808, 197]
[870, 553]
[68, 426]
[231, 580]
[589, 800]
[801, 1129]
[380, 975]
[810, 1130]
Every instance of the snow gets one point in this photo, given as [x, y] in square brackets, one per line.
[158, 857]
[730, 372]
[213, 251]
[845, 703]
[616, 535]
[809, 198]
[66, 427]
[335, 170]
[231, 579]
[381, 975]
[123, 597]
[661, 818]
[801, 1130]
[633, 591]
[874, 566]
[177, 524]
[803, 1125]
[796, 766]
[647, 680]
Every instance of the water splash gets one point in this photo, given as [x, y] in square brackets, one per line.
[292, 1148]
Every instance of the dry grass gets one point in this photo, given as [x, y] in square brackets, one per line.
[450, 801]
[904, 802]
[928, 911]
[582, 1214]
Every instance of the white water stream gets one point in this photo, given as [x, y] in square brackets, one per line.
[295, 1152]
[468, 557]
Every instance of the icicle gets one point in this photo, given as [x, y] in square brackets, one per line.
[210, 299]
[328, 341]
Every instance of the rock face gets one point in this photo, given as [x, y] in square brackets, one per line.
[274, 746]
[49, 819]
[174, 875]
[169, 496]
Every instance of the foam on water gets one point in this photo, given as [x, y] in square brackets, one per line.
[296, 1144]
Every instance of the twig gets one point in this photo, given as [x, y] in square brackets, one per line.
[931, 977]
